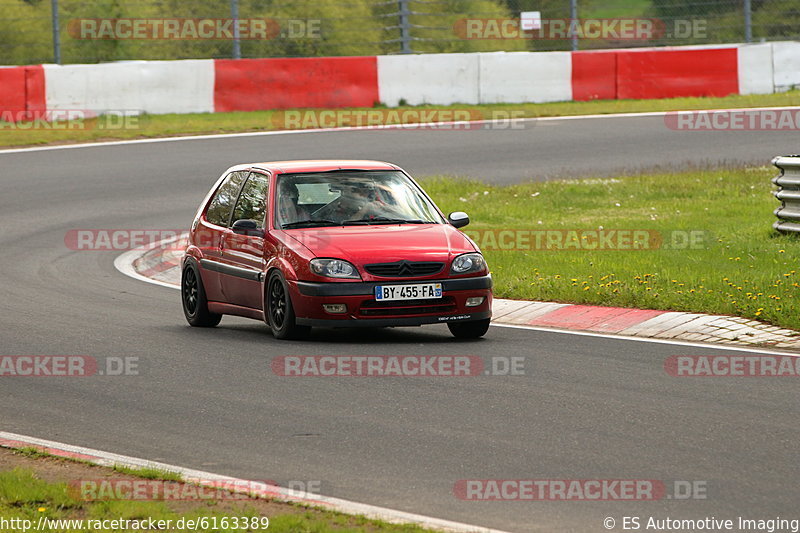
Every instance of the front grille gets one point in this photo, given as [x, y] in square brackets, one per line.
[405, 269]
[408, 307]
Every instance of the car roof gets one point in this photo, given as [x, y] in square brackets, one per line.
[320, 165]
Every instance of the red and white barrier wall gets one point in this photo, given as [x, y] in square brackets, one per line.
[22, 90]
[196, 86]
[155, 87]
[786, 65]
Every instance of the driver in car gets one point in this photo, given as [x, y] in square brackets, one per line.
[359, 202]
[370, 202]
[289, 210]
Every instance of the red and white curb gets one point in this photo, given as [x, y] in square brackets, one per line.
[646, 323]
[259, 489]
[160, 264]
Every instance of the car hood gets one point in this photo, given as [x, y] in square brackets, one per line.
[385, 243]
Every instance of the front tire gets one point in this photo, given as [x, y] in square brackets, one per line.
[193, 296]
[280, 312]
[471, 329]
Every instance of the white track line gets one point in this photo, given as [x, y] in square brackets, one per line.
[278, 493]
[124, 264]
[410, 127]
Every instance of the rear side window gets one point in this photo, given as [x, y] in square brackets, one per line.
[219, 210]
[252, 204]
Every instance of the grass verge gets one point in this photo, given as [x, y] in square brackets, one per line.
[37, 486]
[711, 246]
[148, 473]
[144, 473]
[150, 126]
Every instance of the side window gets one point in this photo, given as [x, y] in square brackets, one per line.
[219, 210]
[252, 204]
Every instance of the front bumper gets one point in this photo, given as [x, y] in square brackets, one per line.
[367, 288]
[389, 322]
[363, 310]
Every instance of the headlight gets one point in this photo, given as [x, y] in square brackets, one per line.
[465, 263]
[334, 268]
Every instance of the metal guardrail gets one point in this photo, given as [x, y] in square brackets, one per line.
[788, 182]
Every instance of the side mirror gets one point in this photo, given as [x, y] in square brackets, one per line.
[247, 227]
[458, 219]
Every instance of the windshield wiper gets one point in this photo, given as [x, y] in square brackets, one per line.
[311, 222]
[384, 220]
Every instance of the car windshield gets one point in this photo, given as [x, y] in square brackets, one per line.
[351, 198]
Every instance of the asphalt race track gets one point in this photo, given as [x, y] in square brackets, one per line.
[586, 408]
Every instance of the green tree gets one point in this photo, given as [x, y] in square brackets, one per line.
[25, 33]
[686, 9]
[776, 20]
[434, 26]
[313, 28]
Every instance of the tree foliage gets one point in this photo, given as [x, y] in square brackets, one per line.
[342, 27]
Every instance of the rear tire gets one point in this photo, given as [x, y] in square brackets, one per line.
[280, 312]
[472, 329]
[193, 296]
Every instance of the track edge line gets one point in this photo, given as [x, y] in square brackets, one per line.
[102, 458]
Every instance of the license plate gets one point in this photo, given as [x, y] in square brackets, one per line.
[420, 291]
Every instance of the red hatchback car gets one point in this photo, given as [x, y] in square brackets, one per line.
[303, 244]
